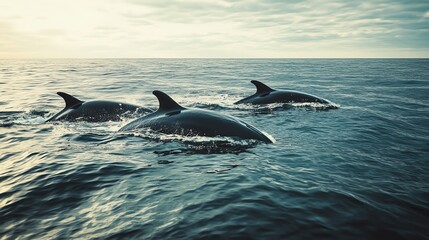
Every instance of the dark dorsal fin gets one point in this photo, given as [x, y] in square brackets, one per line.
[166, 103]
[261, 88]
[69, 99]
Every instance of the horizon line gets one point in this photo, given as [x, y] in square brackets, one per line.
[256, 58]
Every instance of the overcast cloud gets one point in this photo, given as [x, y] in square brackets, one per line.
[214, 28]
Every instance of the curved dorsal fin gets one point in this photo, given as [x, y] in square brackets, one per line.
[260, 87]
[69, 99]
[166, 103]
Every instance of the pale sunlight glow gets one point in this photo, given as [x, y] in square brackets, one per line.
[213, 28]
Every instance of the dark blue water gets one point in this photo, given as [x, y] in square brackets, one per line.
[357, 172]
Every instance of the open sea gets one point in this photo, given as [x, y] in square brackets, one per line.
[359, 171]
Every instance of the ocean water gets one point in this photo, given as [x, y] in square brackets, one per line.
[360, 171]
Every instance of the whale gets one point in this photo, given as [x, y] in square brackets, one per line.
[171, 118]
[267, 95]
[95, 111]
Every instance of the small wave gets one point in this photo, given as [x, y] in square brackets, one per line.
[197, 144]
[63, 189]
[188, 139]
[316, 106]
[270, 108]
[211, 106]
[211, 102]
[11, 118]
[6, 124]
[211, 148]
[6, 114]
[37, 113]
[91, 137]
[223, 168]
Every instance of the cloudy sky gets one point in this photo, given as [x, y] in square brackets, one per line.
[213, 28]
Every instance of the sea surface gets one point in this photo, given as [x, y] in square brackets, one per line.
[356, 170]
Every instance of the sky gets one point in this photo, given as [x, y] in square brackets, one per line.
[214, 29]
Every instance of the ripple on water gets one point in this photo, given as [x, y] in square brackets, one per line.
[53, 188]
[356, 172]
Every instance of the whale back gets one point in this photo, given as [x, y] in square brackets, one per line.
[96, 110]
[171, 118]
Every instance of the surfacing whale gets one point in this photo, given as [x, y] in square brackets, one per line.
[171, 118]
[266, 95]
[94, 111]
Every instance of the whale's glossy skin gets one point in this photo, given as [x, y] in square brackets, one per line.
[95, 111]
[267, 95]
[171, 118]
